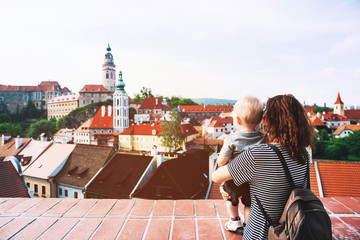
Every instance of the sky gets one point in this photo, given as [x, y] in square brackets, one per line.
[192, 49]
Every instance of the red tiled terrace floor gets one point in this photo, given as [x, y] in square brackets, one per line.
[141, 219]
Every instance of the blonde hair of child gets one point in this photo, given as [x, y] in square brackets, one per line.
[249, 110]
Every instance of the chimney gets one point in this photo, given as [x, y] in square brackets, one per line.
[102, 111]
[318, 114]
[43, 137]
[154, 151]
[309, 114]
[156, 101]
[109, 111]
[5, 138]
[18, 142]
[159, 160]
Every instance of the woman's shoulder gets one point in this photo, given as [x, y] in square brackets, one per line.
[259, 147]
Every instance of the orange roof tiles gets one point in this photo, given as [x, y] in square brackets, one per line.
[313, 180]
[216, 124]
[333, 117]
[188, 129]
[103, 120]
[352, 113]
[8, 149]
[316, 122]
[205, 108]
[352, 127]
[85, 126]
[154, 103]
[310, 109]
[93, 88]
[338, 100]
[340, 179]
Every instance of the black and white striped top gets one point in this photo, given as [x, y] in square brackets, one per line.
[260, 166]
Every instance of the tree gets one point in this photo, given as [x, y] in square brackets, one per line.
[172, 136]
[5, 118]
[324, 135]
[321, 109]
[13, 129]
[144, 93]
[353, 143]
[176, 101]
[42, 126]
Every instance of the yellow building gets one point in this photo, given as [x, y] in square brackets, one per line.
[43, 166]
[61, 106]
[144, 137]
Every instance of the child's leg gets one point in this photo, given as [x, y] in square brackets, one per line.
[232, 210]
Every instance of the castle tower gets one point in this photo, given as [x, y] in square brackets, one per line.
[109, 74]
[339, 106]
[121, 106]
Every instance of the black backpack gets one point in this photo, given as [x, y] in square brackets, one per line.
[303, 217]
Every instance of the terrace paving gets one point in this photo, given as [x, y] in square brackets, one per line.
[22, 218]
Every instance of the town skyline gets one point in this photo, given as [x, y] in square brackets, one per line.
[187, 49]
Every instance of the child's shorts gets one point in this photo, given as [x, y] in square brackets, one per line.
[235, 192]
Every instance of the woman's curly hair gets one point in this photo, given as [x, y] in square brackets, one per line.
[285, 121]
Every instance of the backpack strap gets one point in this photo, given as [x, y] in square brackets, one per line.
[285, 167]
[267, 217]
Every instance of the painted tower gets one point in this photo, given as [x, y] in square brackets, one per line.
[109, 74]
[121, 106]
[339, 106]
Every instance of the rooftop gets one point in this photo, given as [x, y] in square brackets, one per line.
[38, 218]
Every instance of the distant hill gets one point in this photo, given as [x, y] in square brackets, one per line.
[213, 101]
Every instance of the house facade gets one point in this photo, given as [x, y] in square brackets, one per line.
[61, 106]
[16, 97]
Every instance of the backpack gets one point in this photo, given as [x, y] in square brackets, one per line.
[303, 217]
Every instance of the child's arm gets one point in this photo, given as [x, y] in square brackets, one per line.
[223, 160]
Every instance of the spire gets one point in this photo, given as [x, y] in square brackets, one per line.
[120, 86]
[108, 48]
[338, 100]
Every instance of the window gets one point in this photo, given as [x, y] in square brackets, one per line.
[43, 190]
[75, 194]
[36, 188]
[66, 192]
[28, 184]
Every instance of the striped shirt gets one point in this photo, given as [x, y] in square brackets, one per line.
[261, 167]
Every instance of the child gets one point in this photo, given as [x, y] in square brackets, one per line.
[247, 115]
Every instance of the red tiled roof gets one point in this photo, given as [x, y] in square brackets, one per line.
[144, 129]
[310, 109]
[103, 121]
[352, 113]
[8, 149]
[313, 180]
[65, 98]
[205, 108]
[93, 88]
[333, 117]
[119, 176]
[147, 129]
[154, 103]
[188, 129]
[216, 124]
[340, 179]
[11, 185]
[316, 122]
[43, 86]
[352, 127]
[338, 100]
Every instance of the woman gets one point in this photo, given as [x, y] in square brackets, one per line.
[286, 126]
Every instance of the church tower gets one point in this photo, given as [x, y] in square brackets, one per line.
[120, 106]
[339, 106]
[109, 74]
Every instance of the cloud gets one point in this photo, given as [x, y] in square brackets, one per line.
[349, 44]
[347, 72]
[288, 58]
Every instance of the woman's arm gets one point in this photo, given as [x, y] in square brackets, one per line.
[221, 175]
